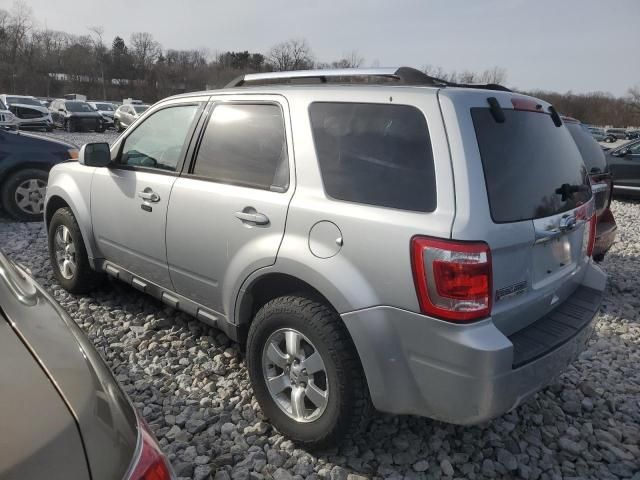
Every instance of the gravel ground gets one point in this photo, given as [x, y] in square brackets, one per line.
[191, 384]
[80, 138]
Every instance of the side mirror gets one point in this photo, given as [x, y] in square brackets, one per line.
[95, 155]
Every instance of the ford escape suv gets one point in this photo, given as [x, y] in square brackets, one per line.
[396, 241]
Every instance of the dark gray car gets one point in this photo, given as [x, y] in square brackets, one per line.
[63, 415]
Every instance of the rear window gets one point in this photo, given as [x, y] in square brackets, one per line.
[532, 168]
[375, 154]
[591, 152]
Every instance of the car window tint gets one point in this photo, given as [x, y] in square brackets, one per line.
[591, 152]
[532, 168]
[245, 145]
[375, 154]
[635, 149]
[157, 142]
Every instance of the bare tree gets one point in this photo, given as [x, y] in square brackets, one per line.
[351, 59]
[634, 99]
[294, 54]
[145, 49]
[100, 53]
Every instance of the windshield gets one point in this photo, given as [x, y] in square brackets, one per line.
[140, 108]
[78, 107]
[532, 168]
[591, 152]
[105, 107]
[23, 101]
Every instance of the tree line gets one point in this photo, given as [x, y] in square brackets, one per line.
[48, 63]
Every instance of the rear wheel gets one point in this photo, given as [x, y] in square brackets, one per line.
[306, 373]
[68, 254]
[23, 194]
[68, 126]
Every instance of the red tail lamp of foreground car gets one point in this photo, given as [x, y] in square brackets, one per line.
[149, 463]
[453, 279]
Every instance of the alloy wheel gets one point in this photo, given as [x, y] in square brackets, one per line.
[29, 196]
[295, 375]
[65, 251]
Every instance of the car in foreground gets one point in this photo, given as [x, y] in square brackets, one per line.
[624, 164]
[126, 114]
[63, 414]
[29, 111]
[25, 161]
[76, 115]
[601, 185]
[8, 120]
[400, 281]
[106, 109]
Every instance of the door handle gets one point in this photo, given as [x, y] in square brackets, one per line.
[149, 195]
[253, 217]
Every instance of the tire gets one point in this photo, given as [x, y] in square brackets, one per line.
[23, 193]
[118, 126]
[68, 126]
[64, 230]
[100, 129]
[320, 330]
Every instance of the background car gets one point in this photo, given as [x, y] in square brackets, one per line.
[105, 109]
[600, 135]
[8, 120]
[601, 185]
[63, 414]
[620, 133]
[127, 114]
[29, 111]
[75, 115]
[624, 165]
[633, 134]
[25, 161]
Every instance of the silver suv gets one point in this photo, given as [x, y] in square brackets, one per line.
[398, 242]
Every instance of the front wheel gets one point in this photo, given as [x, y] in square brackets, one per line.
[23, 193]
[306, 373]
[68, 254]
[68, 126]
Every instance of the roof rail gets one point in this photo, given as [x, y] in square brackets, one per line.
[403, 75]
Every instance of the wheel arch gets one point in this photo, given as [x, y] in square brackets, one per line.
[58, 198]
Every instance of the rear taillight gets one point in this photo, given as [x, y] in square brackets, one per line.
[149, 462]
[453, 279]
[589, 236]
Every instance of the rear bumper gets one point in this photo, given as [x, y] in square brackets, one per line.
[466, 374]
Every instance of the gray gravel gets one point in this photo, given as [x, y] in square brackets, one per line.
[191, 384]
[80, 138]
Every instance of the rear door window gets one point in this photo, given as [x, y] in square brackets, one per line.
[245, 145]
[375, 154]
[532, 168]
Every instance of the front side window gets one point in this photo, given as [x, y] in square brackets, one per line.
[158, 141]
[376, 154]
[245, 145]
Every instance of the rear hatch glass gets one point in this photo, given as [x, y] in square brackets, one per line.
[596, 163]
[532, 168]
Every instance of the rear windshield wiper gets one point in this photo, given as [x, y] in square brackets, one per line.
[567, 190]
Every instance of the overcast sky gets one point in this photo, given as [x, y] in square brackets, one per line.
[578, 45]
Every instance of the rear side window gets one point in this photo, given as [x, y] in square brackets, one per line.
[245, 145]
[532, 168]
[375, 154]
[591, 152]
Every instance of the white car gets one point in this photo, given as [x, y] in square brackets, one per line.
[29, 111]
[127, 114]
[8, 120]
